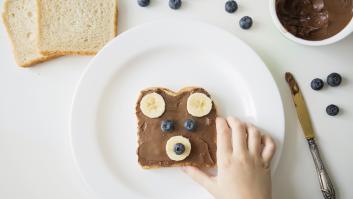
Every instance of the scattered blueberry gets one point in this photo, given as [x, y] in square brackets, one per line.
[190, 125]
[143, 3]
[231, 6]
[317, 84]
[334, 79]
[332, 110]
[175, 4]
[179, 148]
[245, 22]
[167, 125]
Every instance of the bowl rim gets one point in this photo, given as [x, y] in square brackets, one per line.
[333, 39]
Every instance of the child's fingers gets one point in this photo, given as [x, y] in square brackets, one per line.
[224, 140]
[200, 177]
[254, 140]
[268, 150]
[238, 133]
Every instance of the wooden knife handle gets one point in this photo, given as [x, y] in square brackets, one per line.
[325, 182]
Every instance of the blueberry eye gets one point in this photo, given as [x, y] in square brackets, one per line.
[190, 125]
[179, 148]
[167, 125]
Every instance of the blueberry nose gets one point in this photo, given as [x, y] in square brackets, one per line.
[179, 148]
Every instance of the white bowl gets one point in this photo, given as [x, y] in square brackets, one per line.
[342, 34]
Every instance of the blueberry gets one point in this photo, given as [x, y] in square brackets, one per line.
[190, 125]
[317, 84]
[175, 4]
[231, 6]
[167, 125]
[143, 3]
[334, 79]
[332, 110]
[179, 148]
[245, 22]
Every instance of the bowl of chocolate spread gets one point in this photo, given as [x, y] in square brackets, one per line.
[313, 22]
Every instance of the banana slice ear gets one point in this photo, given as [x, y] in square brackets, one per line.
[152, 105]
[199, 104]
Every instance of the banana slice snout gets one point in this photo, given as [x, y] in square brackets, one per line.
[199, 104]
[178, 148]
[152, 105]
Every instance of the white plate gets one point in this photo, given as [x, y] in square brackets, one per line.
[170, 54]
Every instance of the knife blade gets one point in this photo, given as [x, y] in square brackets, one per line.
[326, 185]
[300, 106]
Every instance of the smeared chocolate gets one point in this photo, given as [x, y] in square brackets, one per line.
[292, 83]
[152, 140]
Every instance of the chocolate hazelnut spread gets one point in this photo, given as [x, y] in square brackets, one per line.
[314, 19]
[152, 140]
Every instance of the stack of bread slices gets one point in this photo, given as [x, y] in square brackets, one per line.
[44, 29]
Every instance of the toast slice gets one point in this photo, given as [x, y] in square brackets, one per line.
[75, 27]
[20, 18]
[156, 145]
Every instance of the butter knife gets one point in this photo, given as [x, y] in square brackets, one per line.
[327, 188]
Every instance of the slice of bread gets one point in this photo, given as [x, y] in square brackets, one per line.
[152, 150]
[75, 27]
[20, 20]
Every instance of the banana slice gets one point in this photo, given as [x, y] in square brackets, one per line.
[199, 104]
[178, 148]
[152, 105]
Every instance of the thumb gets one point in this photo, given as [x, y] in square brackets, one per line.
[200, 177]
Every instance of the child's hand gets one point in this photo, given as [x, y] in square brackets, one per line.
[243, 160]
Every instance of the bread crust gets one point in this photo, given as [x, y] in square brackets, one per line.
[38, 61]
[68, 52]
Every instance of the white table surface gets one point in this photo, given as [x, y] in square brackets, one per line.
[35, 158]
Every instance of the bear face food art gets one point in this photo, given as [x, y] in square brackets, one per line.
[176, 128]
